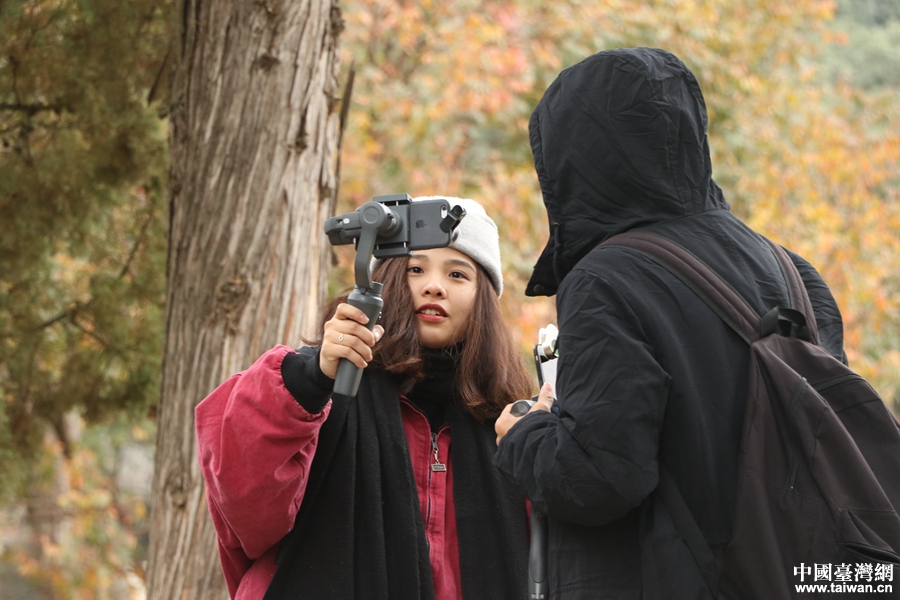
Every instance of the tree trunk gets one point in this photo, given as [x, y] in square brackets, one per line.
[254, 148]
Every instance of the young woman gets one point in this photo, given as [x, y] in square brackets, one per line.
[390, 495]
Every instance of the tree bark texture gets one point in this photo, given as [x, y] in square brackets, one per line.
[254, 148]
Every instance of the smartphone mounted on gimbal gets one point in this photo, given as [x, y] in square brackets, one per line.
[388, 226]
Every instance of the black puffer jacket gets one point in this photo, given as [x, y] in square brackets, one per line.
[646, 371]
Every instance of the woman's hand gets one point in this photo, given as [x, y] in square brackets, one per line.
[347, 337]
[506, 419]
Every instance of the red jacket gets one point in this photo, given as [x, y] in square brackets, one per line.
[256, 445]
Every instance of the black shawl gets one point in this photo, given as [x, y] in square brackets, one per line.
[359, 532]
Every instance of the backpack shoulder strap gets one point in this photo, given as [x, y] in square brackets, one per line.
[731, 308]
[695, 274]
[797, 291]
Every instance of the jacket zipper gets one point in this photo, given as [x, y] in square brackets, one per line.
[799, 392]
[436, 467]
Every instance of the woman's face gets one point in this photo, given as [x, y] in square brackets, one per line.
[443, 285]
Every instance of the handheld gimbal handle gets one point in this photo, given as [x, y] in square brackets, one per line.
[369, 301]
[538, 586]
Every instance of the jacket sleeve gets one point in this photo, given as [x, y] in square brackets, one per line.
[828, 315]
[597, 460]
[256, 440]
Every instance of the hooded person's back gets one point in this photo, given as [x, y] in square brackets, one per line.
[647, 371]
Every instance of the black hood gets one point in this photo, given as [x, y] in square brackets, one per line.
[619, 142]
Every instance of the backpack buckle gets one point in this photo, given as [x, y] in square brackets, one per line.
[784, 321]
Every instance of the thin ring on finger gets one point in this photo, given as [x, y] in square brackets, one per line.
[340, 338]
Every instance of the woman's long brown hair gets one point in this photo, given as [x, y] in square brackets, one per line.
[491, 371]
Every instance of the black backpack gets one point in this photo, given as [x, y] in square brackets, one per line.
[819, 472]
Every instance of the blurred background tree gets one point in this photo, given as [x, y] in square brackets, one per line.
[83, 167]
[804, 127]
[82, 232]
[867, 52]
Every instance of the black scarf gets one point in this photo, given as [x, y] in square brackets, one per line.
[436, 394]
[359, 533]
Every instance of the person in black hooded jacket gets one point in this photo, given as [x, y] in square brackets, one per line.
[647, 371]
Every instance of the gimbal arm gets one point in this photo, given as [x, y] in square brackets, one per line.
[374, 219]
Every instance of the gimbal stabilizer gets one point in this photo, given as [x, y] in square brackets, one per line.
[391, 225]
[546, 354]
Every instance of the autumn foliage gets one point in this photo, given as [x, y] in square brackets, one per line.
[443, 92]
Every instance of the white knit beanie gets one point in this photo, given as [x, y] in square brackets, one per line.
[476, 237]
